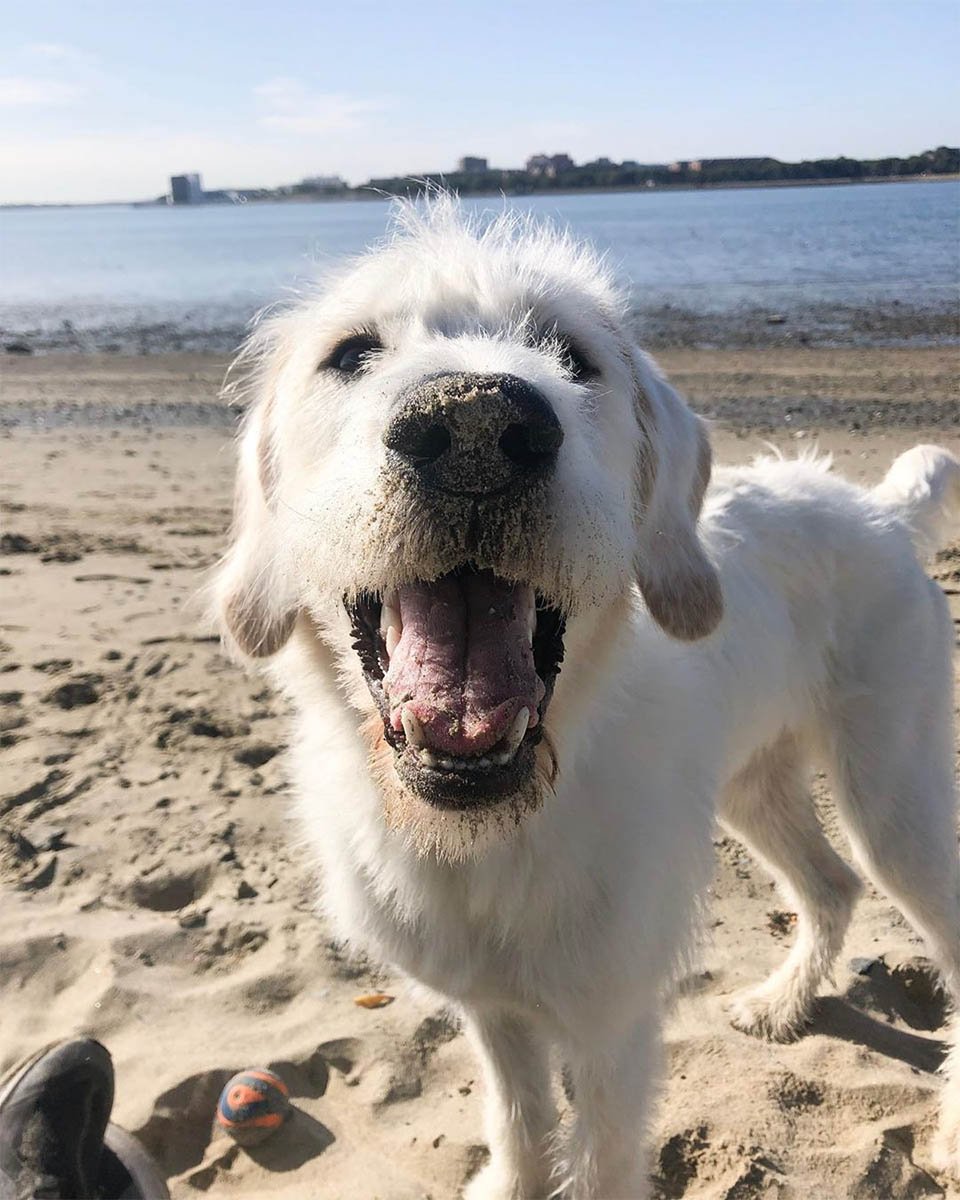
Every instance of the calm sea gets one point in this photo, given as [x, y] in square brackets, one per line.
[868, 262]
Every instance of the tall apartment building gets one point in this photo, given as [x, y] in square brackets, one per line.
[186, 189]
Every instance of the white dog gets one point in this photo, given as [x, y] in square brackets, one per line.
[459, 472]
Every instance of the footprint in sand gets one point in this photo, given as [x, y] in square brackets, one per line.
[171, 891]
[76, 692]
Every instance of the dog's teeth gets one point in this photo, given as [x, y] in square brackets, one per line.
[516, 733]
[389, 606]
[413, 730]
[447, 763]
[391, 624]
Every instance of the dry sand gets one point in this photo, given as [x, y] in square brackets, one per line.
[153, 893]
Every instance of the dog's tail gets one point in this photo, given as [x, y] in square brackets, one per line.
[923, 489]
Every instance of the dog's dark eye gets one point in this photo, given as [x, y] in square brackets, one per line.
[351, 355]
[575, 361]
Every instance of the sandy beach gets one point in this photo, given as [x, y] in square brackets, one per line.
[153, 892]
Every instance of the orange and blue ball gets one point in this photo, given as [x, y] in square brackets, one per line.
[252, 1106]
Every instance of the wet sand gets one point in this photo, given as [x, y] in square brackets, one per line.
[786, 387]
[660, 325]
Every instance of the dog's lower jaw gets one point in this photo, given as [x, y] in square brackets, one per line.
[453, 835]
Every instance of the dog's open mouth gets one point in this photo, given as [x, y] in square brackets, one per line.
[462, 670]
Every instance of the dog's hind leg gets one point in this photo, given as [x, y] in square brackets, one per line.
[768, 807]
[893, 761]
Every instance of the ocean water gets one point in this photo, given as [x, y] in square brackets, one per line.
[817, 262]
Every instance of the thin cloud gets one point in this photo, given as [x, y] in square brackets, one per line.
[292, 107]
[22, 91]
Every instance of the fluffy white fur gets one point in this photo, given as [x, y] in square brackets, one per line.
[560, 932]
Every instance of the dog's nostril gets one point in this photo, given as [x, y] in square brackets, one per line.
[430, 444]
[530, 446]
[422, 445]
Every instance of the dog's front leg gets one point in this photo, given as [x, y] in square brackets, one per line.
[613, 1084]
[518, 1107]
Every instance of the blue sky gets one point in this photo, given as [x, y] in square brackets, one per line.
[103, 101]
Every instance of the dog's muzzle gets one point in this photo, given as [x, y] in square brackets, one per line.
[476, 435]
[461, 651]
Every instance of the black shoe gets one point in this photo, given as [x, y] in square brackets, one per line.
[55, 1141]
[54, 1111]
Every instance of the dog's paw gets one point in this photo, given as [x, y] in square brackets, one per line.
[945, 1149]
[492, 1182]
[945, 1154]
[768, 1015]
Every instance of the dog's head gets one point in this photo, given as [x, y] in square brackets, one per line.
[453, 451]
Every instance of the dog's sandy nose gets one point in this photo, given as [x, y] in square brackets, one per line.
[473, 434]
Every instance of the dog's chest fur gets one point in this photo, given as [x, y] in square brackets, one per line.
[495, 931]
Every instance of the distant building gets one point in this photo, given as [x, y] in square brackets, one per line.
[186, 189]
[472, 166]
[549, 166]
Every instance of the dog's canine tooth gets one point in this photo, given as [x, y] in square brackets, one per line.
[428, 758]
[412, 729]
[516, 733]
[389, 610]
[391, 623]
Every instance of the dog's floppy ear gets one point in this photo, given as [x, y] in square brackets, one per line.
[677, 580]
[254, 596]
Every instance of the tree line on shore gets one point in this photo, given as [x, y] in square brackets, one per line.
[944, 160]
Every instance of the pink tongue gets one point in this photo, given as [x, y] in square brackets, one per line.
[464, 663]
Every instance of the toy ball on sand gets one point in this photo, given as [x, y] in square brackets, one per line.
[252, 1106]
